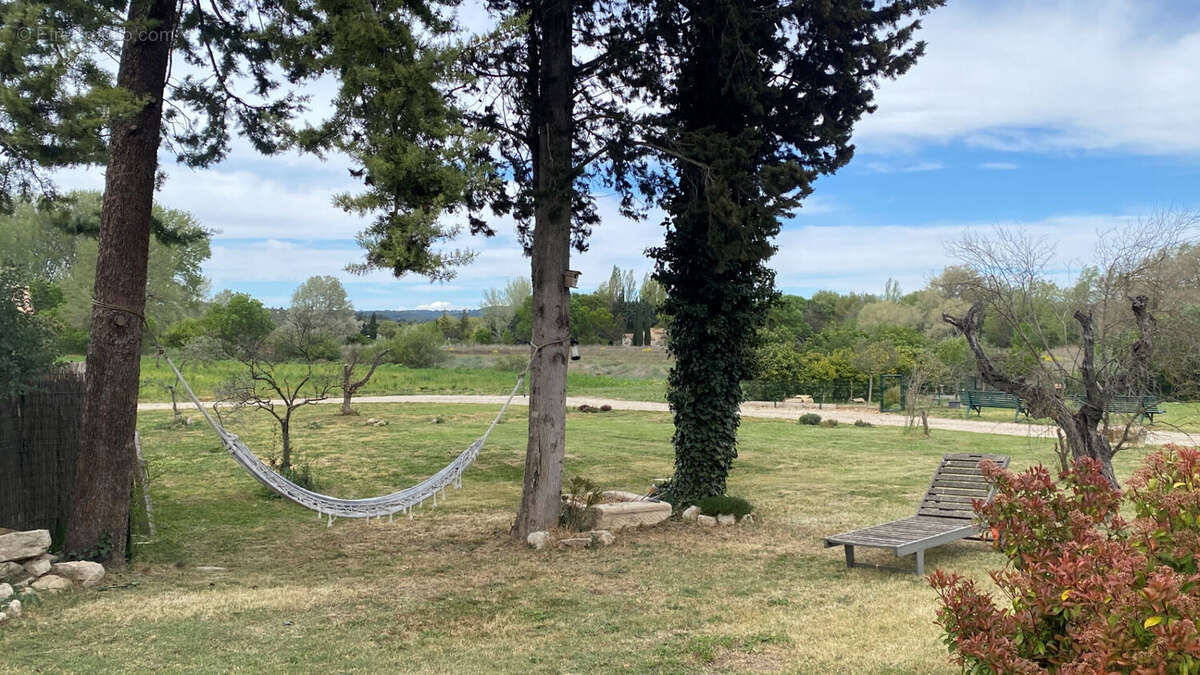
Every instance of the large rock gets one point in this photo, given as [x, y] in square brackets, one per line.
[14, 608]
[38, 566]
[82, 572]
[707, 521]
[691, 513]
[11, 569]
[627, 509]
[539, 539]
[52, 583]
[726, 519]
[22, 545]
[6, 591]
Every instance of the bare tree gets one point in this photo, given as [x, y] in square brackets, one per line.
[1113, 321]
[351, 355]
[266, 388]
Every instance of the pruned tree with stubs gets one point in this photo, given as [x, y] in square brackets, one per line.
[352, 357]
[1112, 311]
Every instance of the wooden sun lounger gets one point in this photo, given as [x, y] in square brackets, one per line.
[945, 514]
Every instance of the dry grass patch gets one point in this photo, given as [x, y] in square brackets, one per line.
[449, 592]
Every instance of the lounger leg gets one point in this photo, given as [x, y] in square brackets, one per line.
[849, 555]
[920, 563]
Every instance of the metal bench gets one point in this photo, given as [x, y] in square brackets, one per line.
[946, 513]
[978, 400]
[1146, 407]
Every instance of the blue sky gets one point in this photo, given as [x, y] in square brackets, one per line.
[1065, 118]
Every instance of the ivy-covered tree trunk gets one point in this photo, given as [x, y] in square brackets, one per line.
[764, 99]
[105, 463]
[552, 122]
[712, 259]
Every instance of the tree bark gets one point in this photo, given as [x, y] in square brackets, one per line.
[285, 433]
[1080, 428]
[552, 122]
[105, 462]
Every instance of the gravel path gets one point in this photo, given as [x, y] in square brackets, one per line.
[786, 411]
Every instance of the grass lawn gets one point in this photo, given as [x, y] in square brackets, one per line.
[449, 592]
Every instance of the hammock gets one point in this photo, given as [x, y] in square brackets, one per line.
[402, 501]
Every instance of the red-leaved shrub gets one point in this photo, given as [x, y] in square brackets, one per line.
[1086, 591]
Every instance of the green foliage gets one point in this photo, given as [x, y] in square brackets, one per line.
[414, 155]
[1086, 591]
[27, 346]
[418, 346]
[321, 311]
[511, 363]
[862, 423]
[298, 471]
[716, 505]
[58, 99]
[891, 397]
[483, 336]
[239, 325]
[811, 419]
[578, 499]
[746, 156]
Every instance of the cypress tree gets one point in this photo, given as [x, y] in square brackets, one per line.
[763, 99]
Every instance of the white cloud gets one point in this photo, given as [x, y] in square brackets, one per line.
[861, 257]
[1000, 166]
[439, 306]
[918, 167]
[1037, 76]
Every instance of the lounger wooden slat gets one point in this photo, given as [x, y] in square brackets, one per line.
[945, 514]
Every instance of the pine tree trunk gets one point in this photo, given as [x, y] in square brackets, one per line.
[105, 461]
[552, 121]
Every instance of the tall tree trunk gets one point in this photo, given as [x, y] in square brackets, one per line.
[347, 394]
[552, 121]
[105, 463]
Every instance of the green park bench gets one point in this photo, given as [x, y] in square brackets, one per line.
[978, 400]
[1146, 407]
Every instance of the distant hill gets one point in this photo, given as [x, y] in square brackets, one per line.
[411, 315]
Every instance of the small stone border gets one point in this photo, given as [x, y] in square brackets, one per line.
[27, 567]
[590, 539]
[692, 515]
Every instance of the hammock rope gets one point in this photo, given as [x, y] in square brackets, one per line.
[402, 501]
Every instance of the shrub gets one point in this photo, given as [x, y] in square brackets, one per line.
[891, 397]
[862, 423]
[577, 513]
[482, 336]
[718, 504]
[829, 422]
[1088, 591]
[812, 419]
[418, 346]
[511, 363]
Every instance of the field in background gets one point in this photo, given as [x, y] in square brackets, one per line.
[612, 372]
[448, 591]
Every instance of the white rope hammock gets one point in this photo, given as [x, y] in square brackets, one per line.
[403, 501]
